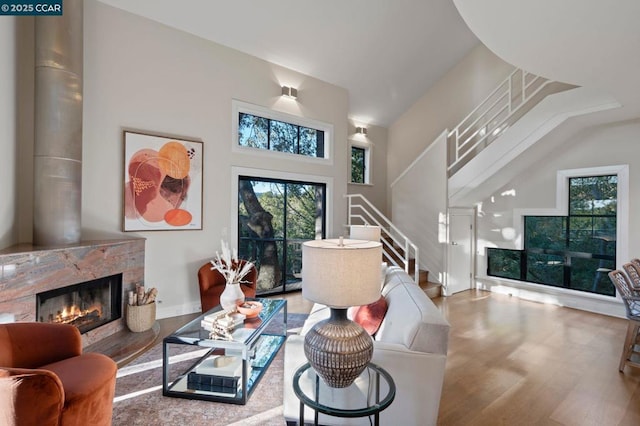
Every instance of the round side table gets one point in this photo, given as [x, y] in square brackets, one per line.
[311, 397]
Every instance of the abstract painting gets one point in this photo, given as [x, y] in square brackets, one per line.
[162, 183]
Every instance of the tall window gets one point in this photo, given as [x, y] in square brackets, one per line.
[274, 218]
[358, 165]
[274, 135]
[575, 251]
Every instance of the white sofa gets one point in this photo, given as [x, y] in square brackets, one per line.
[411, 345]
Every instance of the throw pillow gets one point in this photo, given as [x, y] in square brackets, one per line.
[370, 316]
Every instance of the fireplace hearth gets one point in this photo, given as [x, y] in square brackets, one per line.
[86, 305]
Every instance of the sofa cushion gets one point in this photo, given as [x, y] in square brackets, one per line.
[383, 273]
[369, 316]
[318, 313]
[412, 319]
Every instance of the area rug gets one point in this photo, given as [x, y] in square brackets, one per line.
[139, 400]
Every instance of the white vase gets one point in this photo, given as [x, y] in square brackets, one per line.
[232, 296]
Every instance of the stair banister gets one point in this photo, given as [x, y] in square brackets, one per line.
[502, 94]
[379, 219]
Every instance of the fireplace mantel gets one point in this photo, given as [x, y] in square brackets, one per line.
[26, 270]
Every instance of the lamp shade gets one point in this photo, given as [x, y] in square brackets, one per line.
[364, 232]
[341, 273]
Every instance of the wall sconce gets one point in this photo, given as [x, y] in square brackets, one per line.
[289, 92]
[361, 130]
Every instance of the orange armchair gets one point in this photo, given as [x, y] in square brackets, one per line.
[45, 379]
[212, 284]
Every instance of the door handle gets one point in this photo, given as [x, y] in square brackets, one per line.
[453, 243]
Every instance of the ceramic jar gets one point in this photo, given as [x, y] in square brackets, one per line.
[232, 296]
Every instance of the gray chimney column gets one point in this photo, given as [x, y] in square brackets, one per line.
[58, 127]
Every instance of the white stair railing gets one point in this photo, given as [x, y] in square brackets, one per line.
[362, 212]
[505, 105]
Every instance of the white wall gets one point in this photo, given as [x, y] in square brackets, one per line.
[16, 128]
[419, 198]
[454, 96]
[8, 130]
[142, 75]
[419, 206]
[604, 145]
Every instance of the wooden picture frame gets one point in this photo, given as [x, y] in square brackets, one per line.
[162, 183]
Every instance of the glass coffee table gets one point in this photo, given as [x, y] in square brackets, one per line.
[198, 367]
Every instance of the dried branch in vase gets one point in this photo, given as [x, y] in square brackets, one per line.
[228, 264]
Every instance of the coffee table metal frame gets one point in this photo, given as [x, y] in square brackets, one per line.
[257, 344]
[370, 409]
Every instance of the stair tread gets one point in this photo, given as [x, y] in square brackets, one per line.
[430, 284]
[433, 290]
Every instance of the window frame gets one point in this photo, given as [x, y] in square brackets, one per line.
[368, 176]
[286, 238]
[237, 171]
[238, 107]
[562, 209]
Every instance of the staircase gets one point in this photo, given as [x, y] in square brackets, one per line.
[397, 248]
[483, 153]
[513, 118]
[509, 101]
[432, 289]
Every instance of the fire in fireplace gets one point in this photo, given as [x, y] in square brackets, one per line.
[86, 305]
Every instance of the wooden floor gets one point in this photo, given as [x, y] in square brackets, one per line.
[513, 362]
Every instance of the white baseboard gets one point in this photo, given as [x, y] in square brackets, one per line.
[555, 296]
[177, 310]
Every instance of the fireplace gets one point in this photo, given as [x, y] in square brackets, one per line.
[86, 305]
[26, 270]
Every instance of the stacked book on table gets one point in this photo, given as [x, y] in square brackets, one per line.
[222, 324]
[226, 319]
[219, 374]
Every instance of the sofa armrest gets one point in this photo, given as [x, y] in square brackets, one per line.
[33, 344]
[29, 397]
[418, 377]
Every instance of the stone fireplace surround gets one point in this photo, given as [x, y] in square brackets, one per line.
[26, 270]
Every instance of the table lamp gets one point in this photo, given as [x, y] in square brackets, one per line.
[340, 273]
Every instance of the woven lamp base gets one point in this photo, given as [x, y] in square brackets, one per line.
[338, 349]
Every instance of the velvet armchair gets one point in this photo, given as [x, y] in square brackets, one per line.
[212, 284]
[45, 379]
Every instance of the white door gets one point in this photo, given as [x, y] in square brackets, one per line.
[460, 250]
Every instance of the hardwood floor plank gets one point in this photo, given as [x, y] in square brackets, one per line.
[514, 362]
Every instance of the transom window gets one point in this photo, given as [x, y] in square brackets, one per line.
[575, 251]
[274, 135]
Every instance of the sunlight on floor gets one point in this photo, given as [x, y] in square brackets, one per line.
[134, 369]
[261, 418]
[135, 394]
